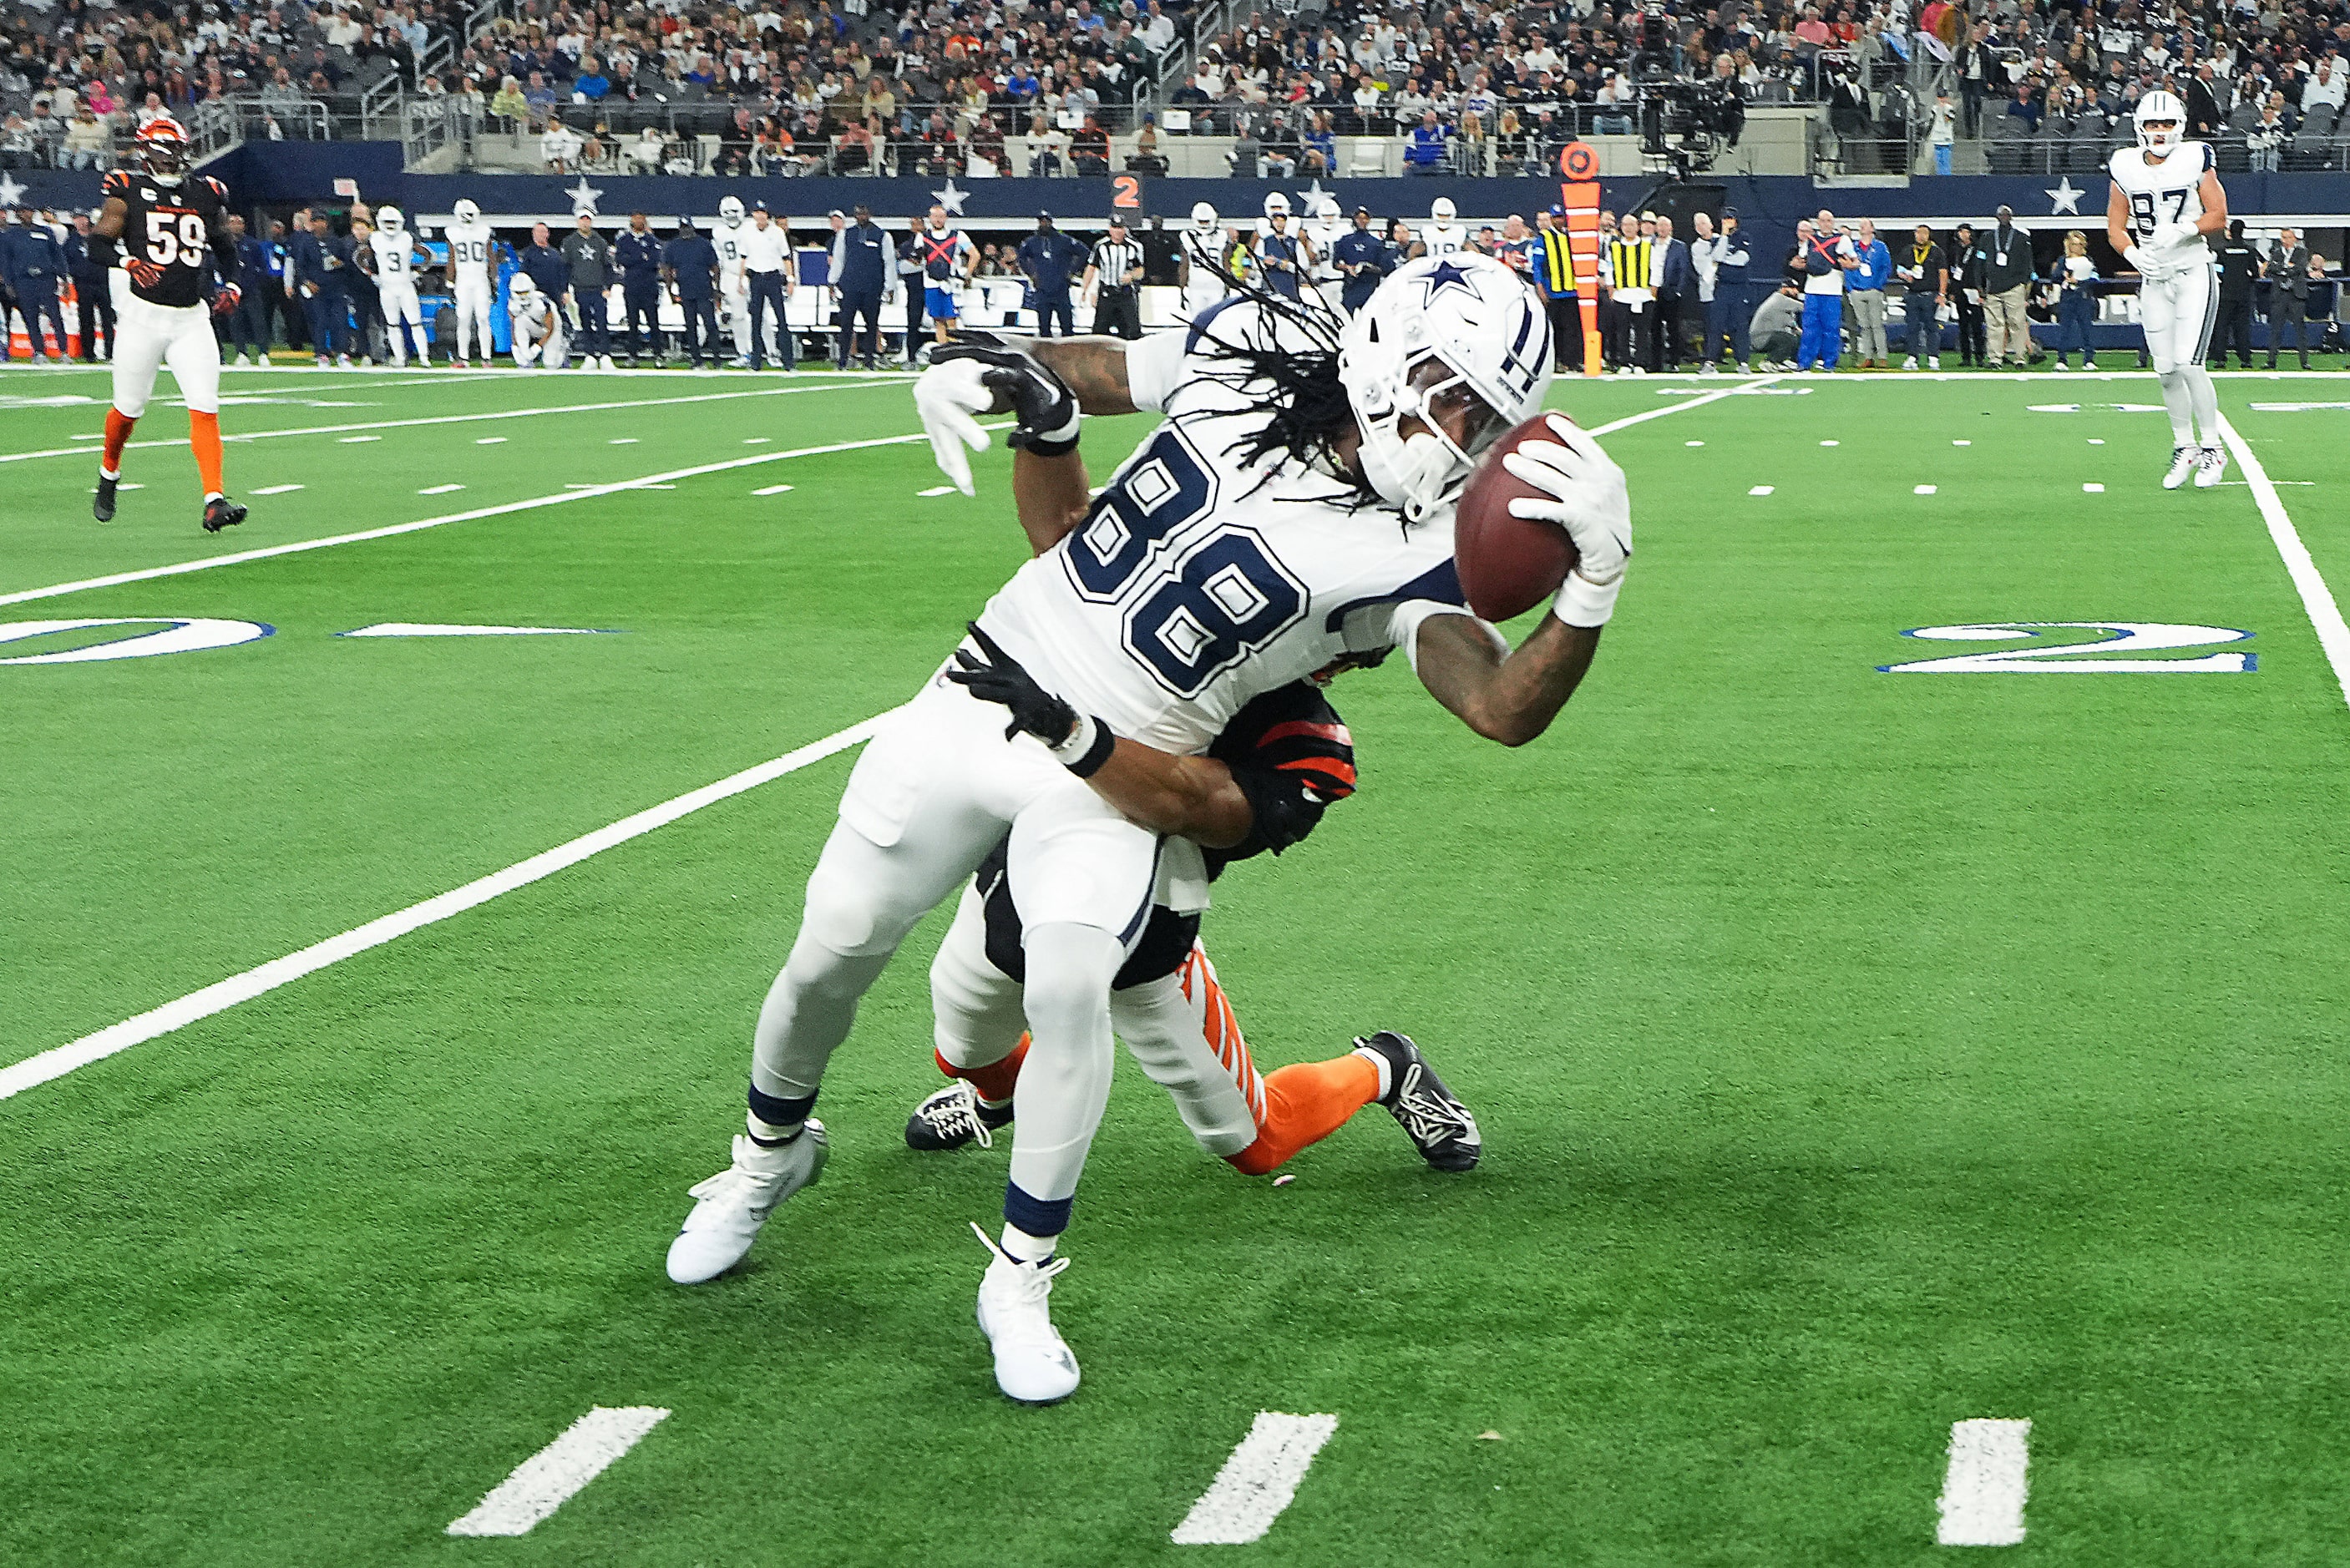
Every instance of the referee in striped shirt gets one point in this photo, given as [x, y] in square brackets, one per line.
[1114, 276]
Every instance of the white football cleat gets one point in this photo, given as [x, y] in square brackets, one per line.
[2211, 467]
[734, 1204]
[1910, 363]
[2183, 462]
[1934, 362]
[1032, 1363]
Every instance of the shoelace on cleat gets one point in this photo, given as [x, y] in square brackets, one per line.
[1426, 1118]
[951, 1113]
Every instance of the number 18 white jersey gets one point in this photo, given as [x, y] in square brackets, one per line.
[1195, 584]
[1444, 239]
[2165, 193]
[470, 248]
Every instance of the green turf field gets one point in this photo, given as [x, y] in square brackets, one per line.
[1857, 1052]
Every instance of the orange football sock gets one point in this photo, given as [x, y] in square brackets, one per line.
[1305, 1103]
[997, 1080]
[118, 426]
[203, 435]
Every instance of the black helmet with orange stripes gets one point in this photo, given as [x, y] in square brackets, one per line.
[162, 148]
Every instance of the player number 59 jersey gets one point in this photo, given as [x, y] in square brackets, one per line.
[166, 232]
[1195, 584]
[2164, 192]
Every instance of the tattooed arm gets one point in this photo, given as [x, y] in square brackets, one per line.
[1093, 369]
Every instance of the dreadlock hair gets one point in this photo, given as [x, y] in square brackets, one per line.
[1306, 404]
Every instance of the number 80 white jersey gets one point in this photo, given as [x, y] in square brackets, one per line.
[470, 250]
[1194, 584]
[2164, 192]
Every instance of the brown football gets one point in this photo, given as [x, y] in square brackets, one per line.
[1507, 565]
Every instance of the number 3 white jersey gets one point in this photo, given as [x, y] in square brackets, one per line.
[471, 246]
[2165, 193]
[395, 259]
[1195, 584]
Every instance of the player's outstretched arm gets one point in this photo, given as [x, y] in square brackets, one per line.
[1093, 369]
[1050, 493]
[1509, 696]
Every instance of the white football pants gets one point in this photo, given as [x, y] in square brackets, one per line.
[148, 336]
[553, 355]
[936, 789]
[403, 313]
[1178, 1027]
[2178, 313]
[734, 298]
[474, 314]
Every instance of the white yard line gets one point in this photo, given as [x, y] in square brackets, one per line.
[234, 437]
[553, 1476]
[2317, 598]
[1257, 1482]
[224, 994]
[650, 481]
[1984, 1489]
[1751, 384]
[260, 981]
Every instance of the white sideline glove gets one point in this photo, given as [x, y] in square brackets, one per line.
[947, 396]
[2169, 236]
[1587, 498]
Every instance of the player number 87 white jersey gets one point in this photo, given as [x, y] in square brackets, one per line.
[2165, 192]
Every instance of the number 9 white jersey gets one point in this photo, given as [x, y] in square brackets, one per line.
[471, 246]
[1194, 584]
[2165, 193]
[730, 256]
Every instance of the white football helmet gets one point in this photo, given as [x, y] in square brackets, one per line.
[465, 210]
[1276, 202]
[1441, 333]
[389, 220]
[1442, 209]
[2154, 108]
[730, 212]
[1328, 209]
[521, 287]
[1203, 216]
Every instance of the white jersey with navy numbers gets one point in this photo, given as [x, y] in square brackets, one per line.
[2165, 193]
[470, 248]
[395, 259]
[1444, 239]
[1195, 584]
[730, 255]
[529, 317]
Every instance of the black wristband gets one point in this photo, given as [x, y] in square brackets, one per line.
[1043, 448]
[1105, 742]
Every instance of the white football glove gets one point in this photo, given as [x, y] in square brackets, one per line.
[1587, 498]
[2170, 235]
[947, 396]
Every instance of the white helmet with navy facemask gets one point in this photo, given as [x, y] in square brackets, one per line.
[1443, 334]
[730, 212]
[2153, 109]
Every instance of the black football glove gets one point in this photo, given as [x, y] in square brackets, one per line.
[1078, 741]
[1039, 399]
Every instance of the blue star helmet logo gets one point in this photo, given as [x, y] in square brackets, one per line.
[1446, 275]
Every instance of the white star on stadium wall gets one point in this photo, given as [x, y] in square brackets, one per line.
[583, 197]
[9, 188]
[1313, 200]
[2064, 198]
[950, 198]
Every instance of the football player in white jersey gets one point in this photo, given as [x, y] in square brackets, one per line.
[472, 278]
[1325, 232]
[733, 280]
[1202, 263]
[2166, 205]
[395, 279]
[1294, 506]
[537, 327]
[1440, 235]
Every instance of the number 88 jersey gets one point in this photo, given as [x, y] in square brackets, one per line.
[167, 231]
[1197, 582]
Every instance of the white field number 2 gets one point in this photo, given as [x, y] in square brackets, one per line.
[2091, 656]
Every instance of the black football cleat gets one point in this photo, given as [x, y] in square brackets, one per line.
[953, 1118]
[102, 508]
[1431, 1114]
[221, 513]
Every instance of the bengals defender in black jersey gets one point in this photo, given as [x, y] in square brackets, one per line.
[158, 224]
